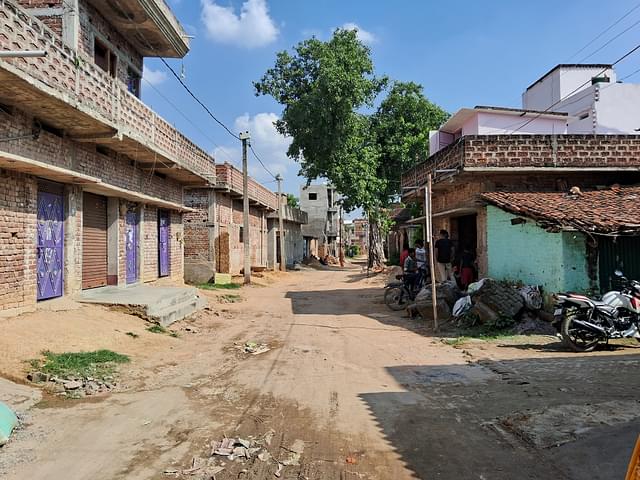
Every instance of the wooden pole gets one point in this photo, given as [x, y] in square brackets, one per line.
[246, 237]
[429, 235]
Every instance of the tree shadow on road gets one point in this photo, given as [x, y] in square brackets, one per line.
[500, 419]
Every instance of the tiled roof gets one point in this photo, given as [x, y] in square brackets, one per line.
[613, 210]
[400, 214]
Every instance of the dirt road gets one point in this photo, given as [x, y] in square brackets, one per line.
[352, 389]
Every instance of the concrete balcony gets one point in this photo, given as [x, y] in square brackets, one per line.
[229, 179]
[68, 92]
[291, 214]
[149, 25]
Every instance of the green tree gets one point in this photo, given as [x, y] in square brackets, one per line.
[325, 88]
[401, 125]
[292, 200]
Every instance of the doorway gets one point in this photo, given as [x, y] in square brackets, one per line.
[131, 245]
[50, 243]
[163, 243]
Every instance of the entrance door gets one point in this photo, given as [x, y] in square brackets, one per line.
[163, 243]
[131, 238]
[50, 244]
[94, 241]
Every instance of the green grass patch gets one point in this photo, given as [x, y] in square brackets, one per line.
[156, 329]
[80, 364]
[220, 286]
[132, 335]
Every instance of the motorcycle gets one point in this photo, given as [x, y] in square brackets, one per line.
[398, 295]
[585, 322]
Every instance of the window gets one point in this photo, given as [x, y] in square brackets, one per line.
[104, 57]
[241, 235]
[133, 82]
[313, 196]
[584, 115]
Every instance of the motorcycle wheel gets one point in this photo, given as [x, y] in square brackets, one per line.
[577, 338]
[396, 298]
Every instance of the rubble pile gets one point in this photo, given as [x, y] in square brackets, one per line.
[73, 387]
[244, 452]
[488, 302]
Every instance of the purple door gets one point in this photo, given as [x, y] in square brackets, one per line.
[163, 243]
[131, 233]
[50, 243]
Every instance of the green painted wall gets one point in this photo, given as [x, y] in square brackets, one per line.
[530, 254]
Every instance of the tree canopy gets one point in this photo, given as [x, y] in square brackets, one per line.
[328, 92]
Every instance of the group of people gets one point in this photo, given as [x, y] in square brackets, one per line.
[448, 265]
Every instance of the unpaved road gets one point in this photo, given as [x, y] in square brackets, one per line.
[368, 393]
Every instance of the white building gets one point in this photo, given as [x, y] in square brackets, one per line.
[591, 94]
[569, 99]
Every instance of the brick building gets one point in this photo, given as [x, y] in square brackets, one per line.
[361, 234]
[473, 166]
[293, 219]
[214, 236]
[92, 178]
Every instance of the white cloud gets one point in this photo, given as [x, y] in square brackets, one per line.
[154, 77]
[363, 35]
[253, 27]
[268, 143]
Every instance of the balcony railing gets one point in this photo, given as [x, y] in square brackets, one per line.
[97, 103]
[230, 178]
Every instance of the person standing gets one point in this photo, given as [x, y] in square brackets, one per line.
[421, 258]
[444, 254]
[410, 268]
[467, 266]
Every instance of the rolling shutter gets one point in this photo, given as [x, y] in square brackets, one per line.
[94, 241]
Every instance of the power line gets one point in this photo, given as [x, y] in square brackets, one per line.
[191, 122]
[610, 41]
[197, 99]
[630, 52]
[603, 32]
[260, 160]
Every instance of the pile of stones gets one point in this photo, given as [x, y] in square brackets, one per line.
[73, 387]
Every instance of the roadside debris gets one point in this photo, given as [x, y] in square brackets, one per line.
[253, 348]
[73, 387]
[252, 449]
[8, 421]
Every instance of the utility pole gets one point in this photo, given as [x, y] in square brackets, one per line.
[246, 237]
[283, 259]
[429, 235]
[341, 254]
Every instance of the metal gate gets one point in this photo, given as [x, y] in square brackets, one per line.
[131, 238]
[163, 243]
[94, 241]
[621, 253]
[50, 246]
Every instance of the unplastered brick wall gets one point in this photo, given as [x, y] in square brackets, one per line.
[196, 231]
[114, 169]
[176, 245]
[621, 151]
[18, 211]
[49, 12]
[149, 232]
[94, 25]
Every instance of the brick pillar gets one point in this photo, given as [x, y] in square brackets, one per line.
[72, 239]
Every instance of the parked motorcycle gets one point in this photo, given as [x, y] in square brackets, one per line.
[398, 295]
[584, 322]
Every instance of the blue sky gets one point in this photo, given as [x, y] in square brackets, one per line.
[464, 53]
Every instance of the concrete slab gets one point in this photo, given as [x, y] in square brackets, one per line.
[163, 305]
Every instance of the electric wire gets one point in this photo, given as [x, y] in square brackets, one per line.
[606, 30]
[622, 58]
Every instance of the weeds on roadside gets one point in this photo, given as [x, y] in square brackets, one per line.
[230, 298]
[160, 329]
[79, 364]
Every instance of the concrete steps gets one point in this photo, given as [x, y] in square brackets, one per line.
[164, 305]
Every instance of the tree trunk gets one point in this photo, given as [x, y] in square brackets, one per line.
[376, 248]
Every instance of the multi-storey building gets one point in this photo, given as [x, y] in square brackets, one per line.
[321, 202]
[214, 232]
